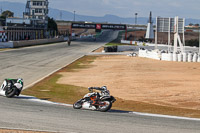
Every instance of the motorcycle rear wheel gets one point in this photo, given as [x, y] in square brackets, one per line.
[11, 92]
[77, 105]
[106, 107]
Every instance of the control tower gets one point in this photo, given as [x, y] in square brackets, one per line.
[150, 31]
[37, 11]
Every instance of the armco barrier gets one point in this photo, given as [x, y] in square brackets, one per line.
[26, 43]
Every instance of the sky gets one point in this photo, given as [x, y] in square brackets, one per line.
[128, 8]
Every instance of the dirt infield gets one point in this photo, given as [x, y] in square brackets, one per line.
[173, 84]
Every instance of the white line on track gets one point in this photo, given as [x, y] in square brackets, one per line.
[34, 99]
[165, 116]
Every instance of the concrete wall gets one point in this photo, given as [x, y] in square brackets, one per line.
[26, 43]
[17, 44]
[6, 44]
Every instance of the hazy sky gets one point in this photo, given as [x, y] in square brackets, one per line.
[127, 8]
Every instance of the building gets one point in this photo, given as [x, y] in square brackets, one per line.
[22, 29]
[150, 29]
[37, 11]
[32, 26]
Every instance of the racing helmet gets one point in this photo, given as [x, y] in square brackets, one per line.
[104, 87]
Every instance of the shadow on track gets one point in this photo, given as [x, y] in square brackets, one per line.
[118, 111]
[25, 97]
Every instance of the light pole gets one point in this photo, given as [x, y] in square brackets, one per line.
[74, 16]
[136, 18]
[135, 24]
[199, 39]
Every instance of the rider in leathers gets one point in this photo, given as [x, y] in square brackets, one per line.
[104, 88]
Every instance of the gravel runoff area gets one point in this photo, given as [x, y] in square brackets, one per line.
[173, 84]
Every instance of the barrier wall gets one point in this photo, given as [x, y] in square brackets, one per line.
[177, 57]
[155, 54]
[6, 44]
[26, 43]
[133, 42]
[167, 56]
[185, 57]
[141, 43]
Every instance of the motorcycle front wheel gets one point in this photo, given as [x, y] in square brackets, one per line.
[77, 105]
[11, 92]
[106, 106]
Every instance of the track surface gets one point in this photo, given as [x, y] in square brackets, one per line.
[34, 63]
[25, 114]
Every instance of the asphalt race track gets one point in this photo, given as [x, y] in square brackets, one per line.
[22, 113]
[34, 63]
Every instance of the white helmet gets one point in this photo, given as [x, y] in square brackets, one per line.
[104, 87]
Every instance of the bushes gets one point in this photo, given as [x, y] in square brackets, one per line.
[110, 49]
[193, 42]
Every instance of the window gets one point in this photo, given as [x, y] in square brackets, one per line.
[37, 3]
[34, 3]
[38, 10]
[40, 17]
[33, 12]
[45, 11]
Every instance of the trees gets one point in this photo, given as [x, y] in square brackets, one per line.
[52, 24]
[7, 14]
[191, 24]
[52, 27]
[193, 42]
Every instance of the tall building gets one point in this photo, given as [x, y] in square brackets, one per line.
[150, 31]
[37, 11]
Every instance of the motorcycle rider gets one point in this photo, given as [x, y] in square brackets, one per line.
[95, 100]
[6, 88]
[103, 88]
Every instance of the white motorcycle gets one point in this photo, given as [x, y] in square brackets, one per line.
[95, 100]
[11, 87]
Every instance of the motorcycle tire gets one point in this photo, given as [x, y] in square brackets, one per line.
[77, 105]
[106, 107]
[11, 92]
